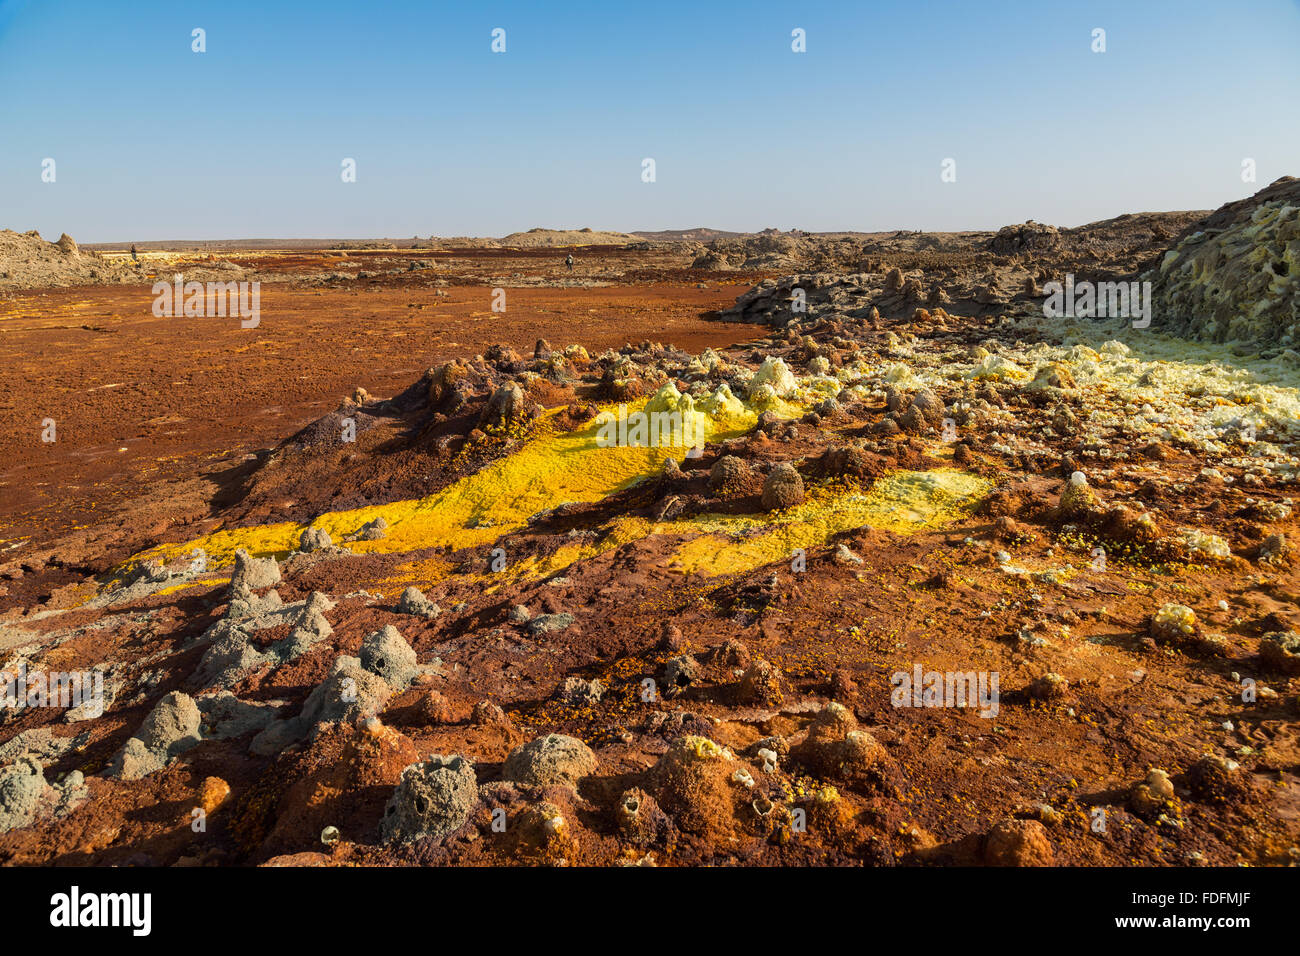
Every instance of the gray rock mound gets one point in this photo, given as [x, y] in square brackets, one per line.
[314, 539]
[41, 744]
[22, 786]
[504, 408]
[386, 653]
[245, 604]
[25, 794]
[370, 531]
[232, 655]
[253, 574]
[580, 693]
[171, 728]
[415, 603]
[433, 800]
[348, 693]
[552, 760]
[546, 623]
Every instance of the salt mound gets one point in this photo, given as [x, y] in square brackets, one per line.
[1235, 276]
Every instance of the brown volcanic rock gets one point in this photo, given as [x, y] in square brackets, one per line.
[699, 785]
[1285, 188]
[355, 773]
[835, 748]
[504, 408]
[1018, 843]
[1027, 237]
[446, 379]
[783, 487]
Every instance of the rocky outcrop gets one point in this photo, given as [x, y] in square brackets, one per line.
[1236, 276]
[1027, 237]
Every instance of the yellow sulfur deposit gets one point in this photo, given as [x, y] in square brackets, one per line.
[904, 502]
[618, 533]
[551, 469]
[1177, 617]
[557, 467]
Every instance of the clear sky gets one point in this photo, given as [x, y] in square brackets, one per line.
[154, 141]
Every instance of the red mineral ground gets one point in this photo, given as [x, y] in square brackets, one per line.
[949, 580]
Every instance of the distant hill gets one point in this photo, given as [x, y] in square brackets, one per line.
[566, 237]
[698, 234]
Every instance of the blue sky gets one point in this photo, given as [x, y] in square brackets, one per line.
[153, 141]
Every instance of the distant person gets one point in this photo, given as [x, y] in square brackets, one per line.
[134, 257]
[569, 261]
